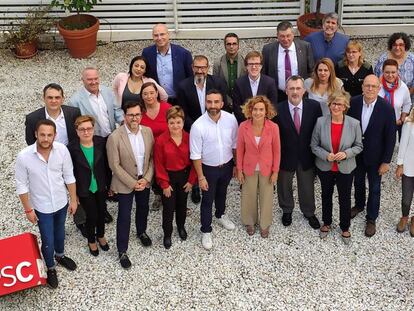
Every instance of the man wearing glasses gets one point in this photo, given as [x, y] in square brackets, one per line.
[230, 66]
[129, 150]
[252, 84]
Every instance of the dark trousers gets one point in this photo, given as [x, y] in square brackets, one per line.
[94, 206]
[407, 194]
[218, 179]
[306, 193]
[374, 189]
[177, 201]
[343, 185]
[123, 223]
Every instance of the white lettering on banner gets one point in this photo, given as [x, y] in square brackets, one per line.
[19, 276]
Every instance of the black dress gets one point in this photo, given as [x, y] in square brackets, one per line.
[353, 82]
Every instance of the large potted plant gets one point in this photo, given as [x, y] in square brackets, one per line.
[311, 21]
[80, 30]
[22, 34]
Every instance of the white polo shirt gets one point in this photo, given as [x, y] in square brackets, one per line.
[213, 142]
[44, 181]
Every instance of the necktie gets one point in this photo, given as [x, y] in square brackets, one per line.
[288, 68]
[296, 119]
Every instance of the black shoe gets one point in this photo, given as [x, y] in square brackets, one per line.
[287, 219]
[66, 262]
[167, 242]
[182, 233]
[82, 229]
[314, 222]
[195, 195]
[104, 247]
[145, 239]
[355, 211]
[124, 261]
[94, 252]
[52, 279]
[107, 217]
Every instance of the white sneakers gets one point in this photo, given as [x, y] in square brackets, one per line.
[206, 240]
[226, 223]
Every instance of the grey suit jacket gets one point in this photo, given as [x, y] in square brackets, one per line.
[304, 57]
[115, 114]
[220, 67]
[351, 143]
[122, 161]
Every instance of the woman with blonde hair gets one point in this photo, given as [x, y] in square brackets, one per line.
[405, 170]
[353, 69]
[323, 83]
[258, 159]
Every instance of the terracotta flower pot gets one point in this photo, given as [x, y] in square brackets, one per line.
[25, 49]
[303, 28]
[80, 43]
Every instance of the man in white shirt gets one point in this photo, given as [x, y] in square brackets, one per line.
[213, 140]
[378, 125]
[43, 171]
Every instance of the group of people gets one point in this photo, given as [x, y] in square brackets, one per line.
[170, 126]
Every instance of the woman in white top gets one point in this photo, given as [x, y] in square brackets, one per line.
[323, 83]
[127, 86]
[395, 92]
[405, 169]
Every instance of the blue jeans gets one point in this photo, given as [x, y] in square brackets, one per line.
[218, 179]
[374, 189]
[52, 233]
[123, 224]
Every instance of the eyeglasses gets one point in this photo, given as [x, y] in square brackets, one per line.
[132, 115]
[200, 67]
[370, 86]
[85, 129]
[254, 64]
[337, 105]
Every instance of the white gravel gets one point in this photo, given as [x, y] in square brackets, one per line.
[292, 270]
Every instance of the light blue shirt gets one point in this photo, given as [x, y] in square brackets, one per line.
[201, 93]
[366, 114]
[254, 85]
[165, 72]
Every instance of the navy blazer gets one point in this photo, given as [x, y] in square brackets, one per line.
[379, 137]
[82, 170]
[70, 114]
[242, 92]
[295, 148]
[181, 62]
[187, 97]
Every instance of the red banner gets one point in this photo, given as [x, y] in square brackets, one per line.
[21, 265]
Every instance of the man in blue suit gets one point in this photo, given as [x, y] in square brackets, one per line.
[168, 63]
[378, 137]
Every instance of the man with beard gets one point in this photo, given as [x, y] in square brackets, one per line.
[213, 140]
[191, 97]
[43, 172]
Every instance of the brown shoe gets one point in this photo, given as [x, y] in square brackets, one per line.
[264, 233]
[370, 228]
[355, 211]
[412, 227]
[250, 229]
[402, 225]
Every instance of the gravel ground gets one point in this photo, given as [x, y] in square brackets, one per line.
[292, 270]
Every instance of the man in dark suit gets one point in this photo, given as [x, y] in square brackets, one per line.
[168, 63]
[252, 84]
[378, 137]
[298, 52]
[63, 116]
[296, 118]
[192, 91]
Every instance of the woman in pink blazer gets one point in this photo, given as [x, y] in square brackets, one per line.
[258, 158]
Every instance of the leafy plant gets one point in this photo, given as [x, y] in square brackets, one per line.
[78, 6]
[35, 23]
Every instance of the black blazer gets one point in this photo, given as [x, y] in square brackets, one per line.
[242, 92]
[70, 114]
[379, 137]
[295, 148]
[83, 172]
[187, 97]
